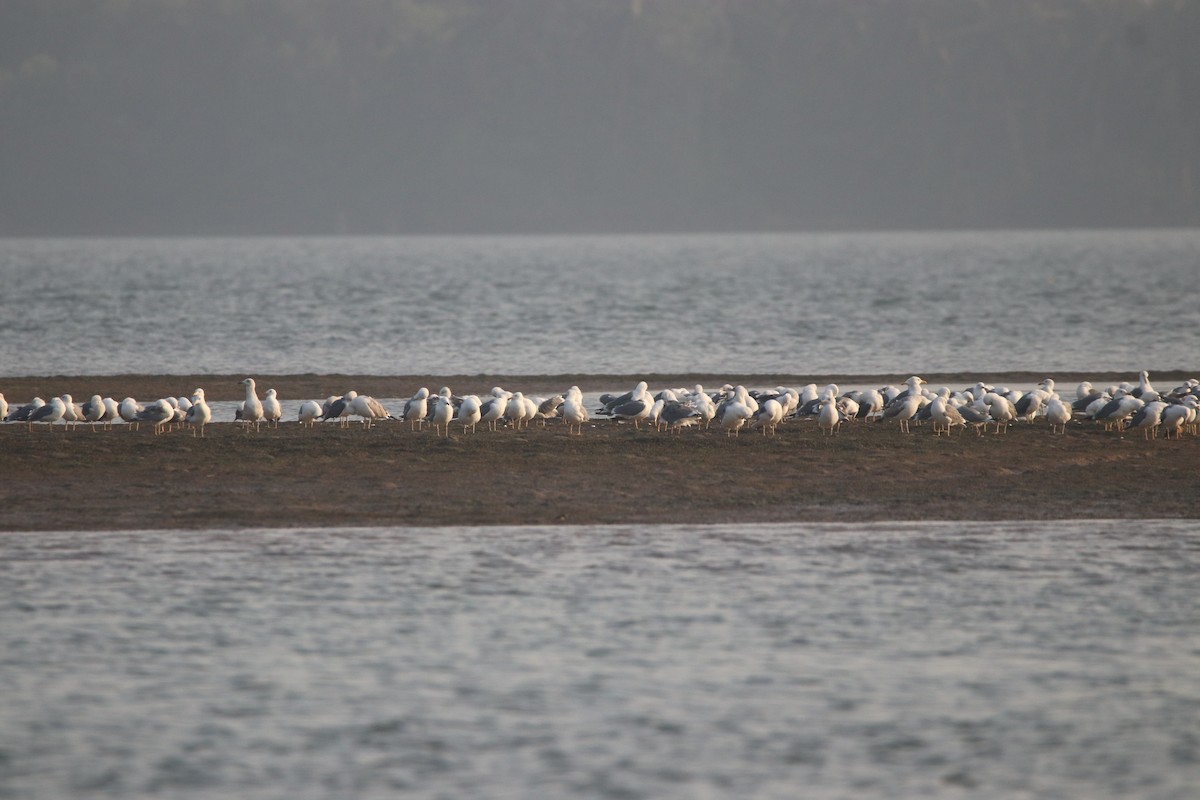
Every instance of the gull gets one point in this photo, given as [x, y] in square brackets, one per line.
[1097, 403]
[1144, 387]
[848, 407]
[72, 413]
[159, 413]
[416, 409]
[199, 414]
[903, 409]
[655, 416]
[531, 409]
[677, 416]
[1184, 389]
[129, 410]
[111, 412]
[272, 411]
[1029, 405]
[369, 409]
[339, 408]
[3, 407]
[181, 405]
[1148, 418]
[549, 409]
[22, 413]
[975, 416]
[944, 414]
[828, 418]
[1058, 414]
[733, 415]
[93, 409]
[705, 407]
[769, 415]
[517, 411]
[1118, 410]
[443, 412]
[310, 411]
[252, 407]
[492, 409]
[637, 408]
[1001, 410]
[1085, 395]
[610, 402]
[49, 413]
[1176, 416]
[468, 413]
[574, 412]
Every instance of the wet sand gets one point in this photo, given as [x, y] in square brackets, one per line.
[389, 475]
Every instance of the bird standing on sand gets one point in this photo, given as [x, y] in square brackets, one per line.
[1058, 414]
[733, 415]
[443, 413]
[50, 413]
[252, 407]
[272, 411]
[129, 410]
[369, 409]
[310, 410]
[158, 413]
[768, 416]
[944, 414]
[72, 413]
[637, 408]
[93, 410]
[199, 414]
[1001, 410]
[828, 418]
[1148, 418]
[468, 413]
[517, 411]
[416, 409]
[492, 409]
[574, 412]
[903, 409]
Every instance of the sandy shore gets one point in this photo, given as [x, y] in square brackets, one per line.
[389, 475]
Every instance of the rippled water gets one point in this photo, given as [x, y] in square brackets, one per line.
[1048, 660]
[893, 303]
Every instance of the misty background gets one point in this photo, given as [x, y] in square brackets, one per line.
[184, 117]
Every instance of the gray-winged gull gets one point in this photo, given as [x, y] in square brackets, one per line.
[158, 413]
[50, 413]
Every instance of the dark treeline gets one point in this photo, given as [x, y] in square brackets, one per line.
[381, 116]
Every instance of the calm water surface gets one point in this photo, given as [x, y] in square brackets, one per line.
[893, 303]
[1050, 660]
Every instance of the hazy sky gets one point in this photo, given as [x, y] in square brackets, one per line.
[329, 116]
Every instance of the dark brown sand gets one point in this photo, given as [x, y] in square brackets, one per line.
[389, 475]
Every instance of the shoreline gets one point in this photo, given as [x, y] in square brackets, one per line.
[612, 474]
[305, 386]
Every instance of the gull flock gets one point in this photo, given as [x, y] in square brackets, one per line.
[729, 409]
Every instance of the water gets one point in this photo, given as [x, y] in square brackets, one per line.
[893, 303]
[1041, 660]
